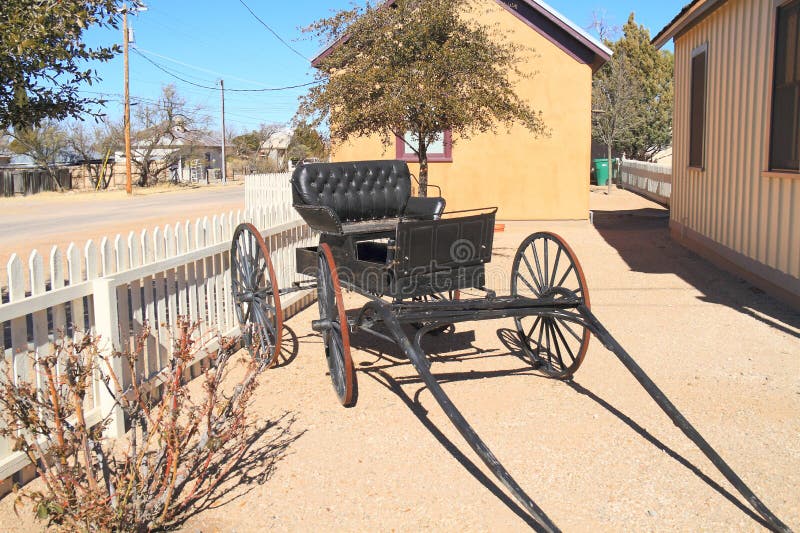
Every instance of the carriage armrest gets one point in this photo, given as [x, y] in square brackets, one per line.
[320, 217]
[424, 207]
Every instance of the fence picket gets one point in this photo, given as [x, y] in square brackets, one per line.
[200, 274]
[208, 275]
[151, 345]
[77, 312]
[121, 264]
[107, 260]
[19, 327]
[191, 280]
[219, 296]
[180, 272]
[135, 255]
[59, 311]
[41, 341]
[172, 303]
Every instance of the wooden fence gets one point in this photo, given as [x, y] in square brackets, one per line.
[24, 182]
[269, 189]
[113, 289]
[648, 179]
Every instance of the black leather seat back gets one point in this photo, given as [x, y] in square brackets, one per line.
[355, 190]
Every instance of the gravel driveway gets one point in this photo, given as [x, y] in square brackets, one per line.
[595, 454]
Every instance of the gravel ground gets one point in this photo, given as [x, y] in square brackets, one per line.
[595, 454]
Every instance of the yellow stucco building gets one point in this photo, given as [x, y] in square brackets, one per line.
[526, 177]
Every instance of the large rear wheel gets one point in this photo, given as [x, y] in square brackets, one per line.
[546, 267]
[335, 332]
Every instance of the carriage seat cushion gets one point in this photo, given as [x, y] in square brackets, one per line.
[355, 191]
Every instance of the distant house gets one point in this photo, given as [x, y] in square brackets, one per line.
[276, 148]
[189, 156]
[736, 148]
[526, 177]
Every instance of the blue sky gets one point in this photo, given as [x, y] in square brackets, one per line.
[205, 40]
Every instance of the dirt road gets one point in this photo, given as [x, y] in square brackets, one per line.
[39, 222]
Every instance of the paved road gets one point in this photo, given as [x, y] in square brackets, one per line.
[41, 222]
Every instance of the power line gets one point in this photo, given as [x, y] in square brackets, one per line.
[211, 88]
[195, 67]
[287, 45]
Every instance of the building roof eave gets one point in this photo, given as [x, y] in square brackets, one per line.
[691, 14]
[602, 52]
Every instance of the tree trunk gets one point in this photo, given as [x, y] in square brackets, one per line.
[54, 176]
[610, 170]
[423, 169]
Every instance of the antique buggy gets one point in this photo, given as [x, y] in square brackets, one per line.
[413, 261]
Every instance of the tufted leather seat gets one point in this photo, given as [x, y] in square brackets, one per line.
[354, 191]
[358, 196]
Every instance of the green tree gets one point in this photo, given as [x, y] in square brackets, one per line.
[419, 66]
[307, 142]
[652, 71]
[43, 57]
[253, 148]
[615, 98]
[44, 144]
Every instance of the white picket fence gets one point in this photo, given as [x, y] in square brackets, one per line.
[149, 277]
[648, 179]
[269, 189]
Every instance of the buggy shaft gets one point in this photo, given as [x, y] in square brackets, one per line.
[602, 334]
[417, 358]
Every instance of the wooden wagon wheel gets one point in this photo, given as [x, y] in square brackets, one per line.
[336, 333]
[545, 266]
[256, 295]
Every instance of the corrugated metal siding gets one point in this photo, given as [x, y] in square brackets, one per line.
[730, 202]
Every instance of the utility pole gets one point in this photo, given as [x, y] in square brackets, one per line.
[125, 39]
[224, 162]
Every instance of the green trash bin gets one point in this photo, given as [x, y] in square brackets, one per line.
[601, 170]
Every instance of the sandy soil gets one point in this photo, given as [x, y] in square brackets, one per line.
[595, 454]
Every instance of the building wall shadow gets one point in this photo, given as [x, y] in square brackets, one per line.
[641, 237]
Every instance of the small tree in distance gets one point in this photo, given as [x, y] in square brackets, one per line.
[166, 132]
[307, 142]
[44, 144]
[615, 94]
[419, 67]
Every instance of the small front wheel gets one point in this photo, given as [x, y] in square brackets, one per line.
[546, 267]
[256, 295]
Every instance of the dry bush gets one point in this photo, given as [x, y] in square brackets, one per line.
[177, 451]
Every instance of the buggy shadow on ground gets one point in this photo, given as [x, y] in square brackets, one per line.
[595, 454]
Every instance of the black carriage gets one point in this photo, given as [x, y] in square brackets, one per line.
[414, 261]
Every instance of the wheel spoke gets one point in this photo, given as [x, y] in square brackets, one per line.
[571, 331]
[564, 277]
[546, 264]
[535, 322]
[525, 281]
[538, 267]
[555, 266]
[530, 269]
[546, 327]
[561, 335]
[555, 343]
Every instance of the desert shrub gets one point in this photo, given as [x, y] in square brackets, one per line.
[180, 446]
